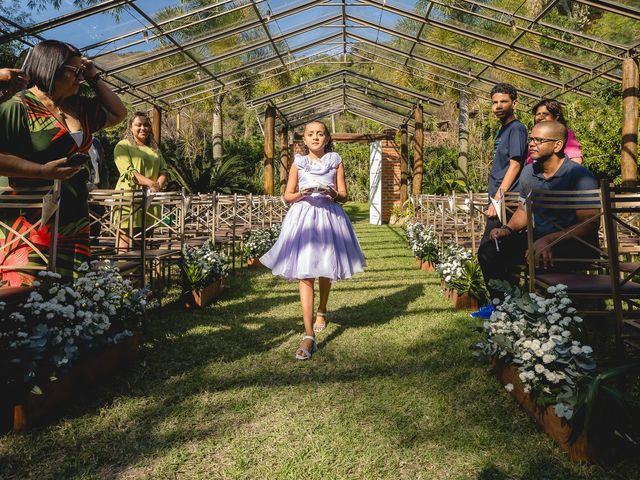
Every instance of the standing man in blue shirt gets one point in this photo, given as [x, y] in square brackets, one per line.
[509, 149]
[509, 155]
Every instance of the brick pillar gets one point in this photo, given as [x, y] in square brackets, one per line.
[390, 177]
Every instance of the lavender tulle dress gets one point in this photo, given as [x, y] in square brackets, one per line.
[316, 238]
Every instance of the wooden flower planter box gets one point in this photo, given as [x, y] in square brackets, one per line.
[428, 267]
[203, 297]
[446, 290]
[253, 263]
[89, 371]
[464, 301]
[557, 428]
[459, 302]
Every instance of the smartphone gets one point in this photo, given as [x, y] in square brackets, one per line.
[77, 159]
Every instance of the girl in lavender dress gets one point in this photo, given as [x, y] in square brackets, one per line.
[316, 239]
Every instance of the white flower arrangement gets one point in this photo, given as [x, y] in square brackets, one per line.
[260, 241]
[423, 241]
[538, 335]
[452, 263]
[203, 265]
[58, 322]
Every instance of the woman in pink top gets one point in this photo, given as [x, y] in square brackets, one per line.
[552, 110]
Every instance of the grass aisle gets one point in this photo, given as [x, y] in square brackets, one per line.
[392, 393]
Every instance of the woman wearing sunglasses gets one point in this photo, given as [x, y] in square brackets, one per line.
[39, 128]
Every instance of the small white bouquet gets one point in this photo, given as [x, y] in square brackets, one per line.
[308, 188]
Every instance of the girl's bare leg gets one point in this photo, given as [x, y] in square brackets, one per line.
[306, 300]
[325, 286]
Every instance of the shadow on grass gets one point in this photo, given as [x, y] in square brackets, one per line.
[168, 412]
[357, 212]
[534, 469]
[190, 391]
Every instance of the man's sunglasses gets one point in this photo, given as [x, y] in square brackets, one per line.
[539, 140]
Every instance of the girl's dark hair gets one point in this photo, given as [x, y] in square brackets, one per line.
[151, 142]
[46, 61]
[554, 107]
[329, 145]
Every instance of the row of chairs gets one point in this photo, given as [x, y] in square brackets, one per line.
[172, 220]
[609, 277]
[142, 233]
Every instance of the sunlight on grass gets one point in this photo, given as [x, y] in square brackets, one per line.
[393, 392]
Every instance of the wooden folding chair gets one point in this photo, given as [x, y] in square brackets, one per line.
[39, 207]
[163, 235]
[597, 278]
[112, 216]
[581, 282]
[199, 218]
[621, 207]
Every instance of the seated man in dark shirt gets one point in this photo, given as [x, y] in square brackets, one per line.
[551, 170]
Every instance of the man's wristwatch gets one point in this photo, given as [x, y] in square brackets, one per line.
[508, 228]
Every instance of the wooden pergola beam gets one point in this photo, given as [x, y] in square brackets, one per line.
[418, 149]
[156, 124]
[284, 158]
[269, 148]
[404, 164]
[629, 154]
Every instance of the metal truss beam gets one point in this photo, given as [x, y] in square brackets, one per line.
[461, 54]
[396, 88]
[63, 19]
[211, 38]
[476, 6]
[189, 55]
[267, 32]
[458, 71]
[261, 75]
[613, 7]
[155, 36]
[234, 53]
[365, 90]
[542, 13]
[199, 83]
[473, 35]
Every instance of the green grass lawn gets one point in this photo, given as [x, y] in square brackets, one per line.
[393, 392]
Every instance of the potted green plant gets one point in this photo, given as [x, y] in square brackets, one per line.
[462, 278]
[469, 290]
[259, 242]
[424, 245]
[203, 269]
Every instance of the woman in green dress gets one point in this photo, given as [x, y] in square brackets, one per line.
[39, 128]
[140, 164]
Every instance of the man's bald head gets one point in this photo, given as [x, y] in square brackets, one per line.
[551, 129]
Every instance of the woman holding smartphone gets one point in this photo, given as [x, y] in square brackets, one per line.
[39, 128]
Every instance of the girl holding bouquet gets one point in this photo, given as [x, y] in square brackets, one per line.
[317, 239]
